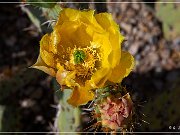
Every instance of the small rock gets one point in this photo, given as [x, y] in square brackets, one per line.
[26, 103]
[136, 6]
[165, 54]
[126, 27]
[134, 48]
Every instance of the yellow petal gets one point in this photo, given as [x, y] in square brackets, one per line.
[106, 20]
[73, 24]
[99, 78]
[46, 42]
[125, 66]
[66, 78]
[81, 38]
[116, 40]
[68, 14]
[41, 65]
[87, 16]
[80, 96]
[66, 31]
[55, 41]
[73, 34]
[107, 23]
[105, 48]
[46, 51]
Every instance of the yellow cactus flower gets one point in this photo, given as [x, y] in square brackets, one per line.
[84, 52]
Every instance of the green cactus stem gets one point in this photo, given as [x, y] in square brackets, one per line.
[68, 117]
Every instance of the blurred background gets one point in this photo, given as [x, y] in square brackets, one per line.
[28, 98]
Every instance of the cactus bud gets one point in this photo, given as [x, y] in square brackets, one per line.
[115, 109]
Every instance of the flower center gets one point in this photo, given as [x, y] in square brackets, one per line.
[79, 56]
[83, 61]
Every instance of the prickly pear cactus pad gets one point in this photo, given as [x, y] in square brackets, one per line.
[169, 14]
